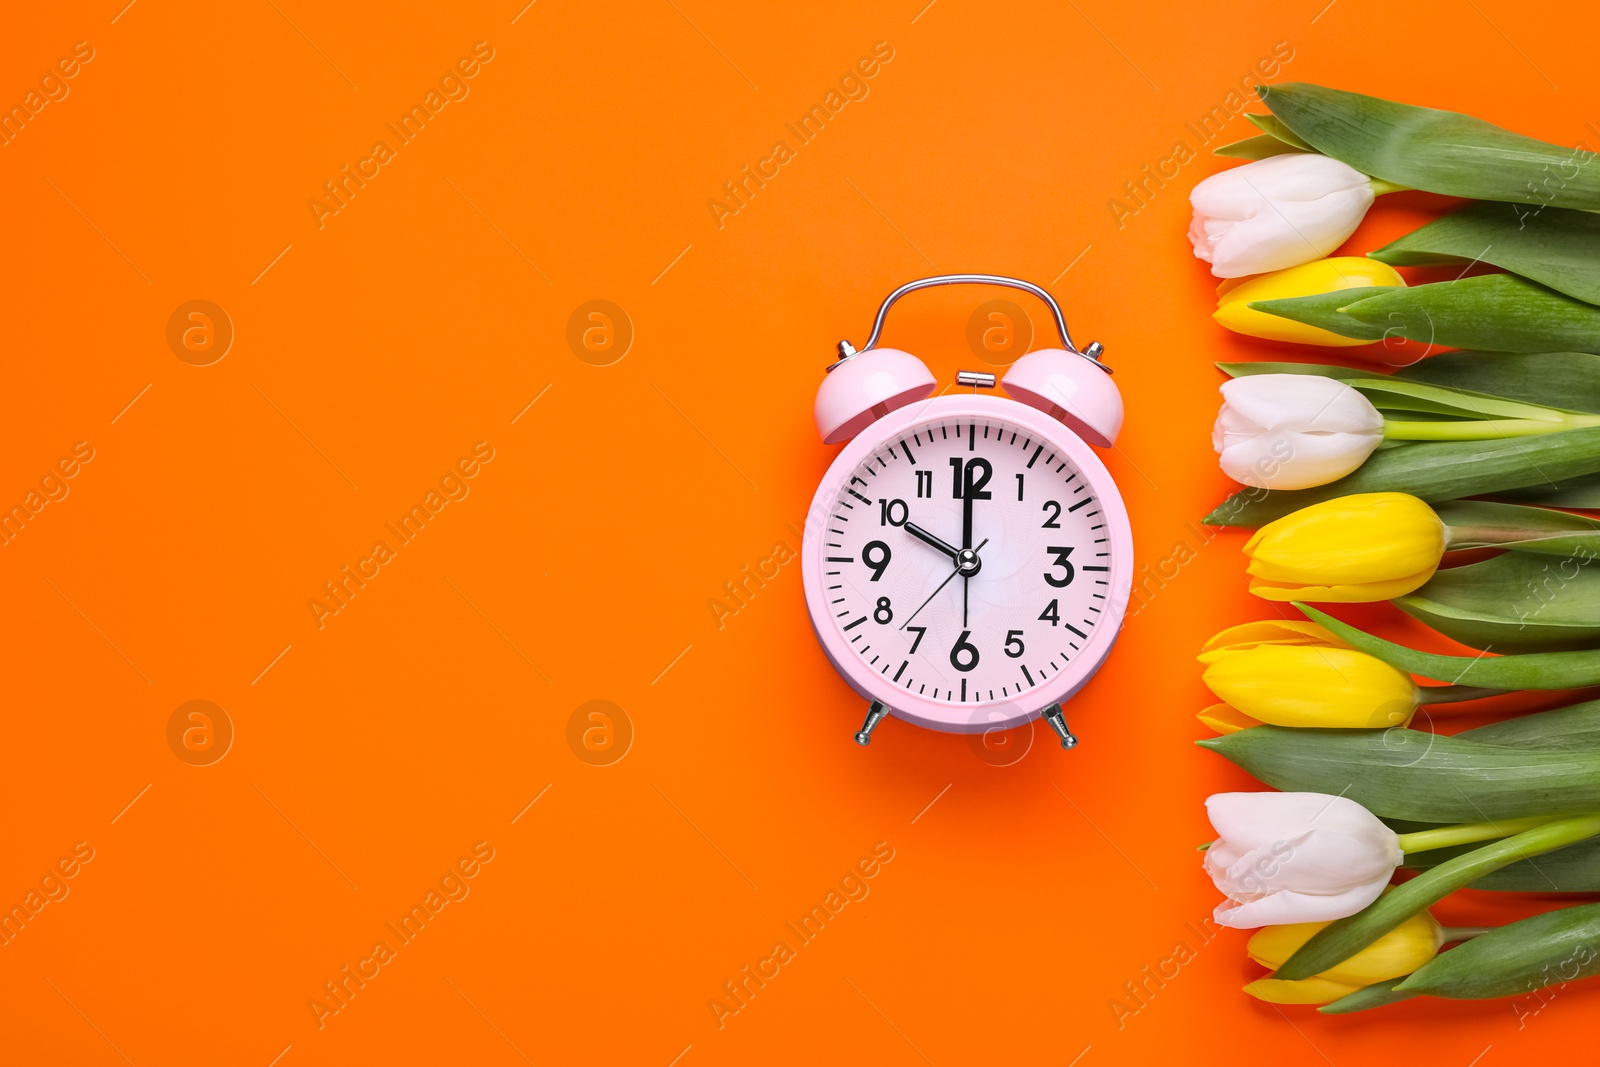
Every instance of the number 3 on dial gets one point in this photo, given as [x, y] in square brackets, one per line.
[1060, 560]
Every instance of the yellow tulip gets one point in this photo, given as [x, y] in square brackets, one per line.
[1299, 674]
[1275, 632]
[1352, 550]
[1305, 991]
[1398, 952]
[1225, 719]
[1323, 276]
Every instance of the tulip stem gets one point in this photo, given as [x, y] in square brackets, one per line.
[1468, 832]
[1484, 429]
[1454, 694]
[1379, 187]
[1452, 934]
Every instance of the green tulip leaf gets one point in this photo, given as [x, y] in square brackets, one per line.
[1532, 670]
[1273, 127]
[1554, 947]
[1433, 471]
[1486, 524]
[1574, 727]
[1517, 602]
[1579, 492]
[1324, 370]
[1338, 941]
[1399, 394]
[1438, 151]
[1566, 380]
[1553, 246]
[1416, 775]
[1327, 310]
[1393, 393]
[1258, 147]
[1574, 869]
[1501, 312]
[1376, 995]
[1494, 311]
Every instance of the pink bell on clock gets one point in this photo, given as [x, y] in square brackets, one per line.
[863, 387]
[1071, 387]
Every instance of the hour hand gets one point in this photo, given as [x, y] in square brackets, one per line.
[923, 535]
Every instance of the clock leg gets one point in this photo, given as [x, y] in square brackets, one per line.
[876, 713]
[1058, 722]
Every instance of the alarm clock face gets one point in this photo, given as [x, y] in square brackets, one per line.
[967, 554]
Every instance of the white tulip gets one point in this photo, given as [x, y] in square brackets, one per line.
[1293, 431]
[1296, 857]
[1276, 212]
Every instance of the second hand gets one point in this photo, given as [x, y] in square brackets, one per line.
[959, 570]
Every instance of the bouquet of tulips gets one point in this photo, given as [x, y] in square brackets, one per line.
[1360, 485]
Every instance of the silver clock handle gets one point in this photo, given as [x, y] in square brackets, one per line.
[1092, 352]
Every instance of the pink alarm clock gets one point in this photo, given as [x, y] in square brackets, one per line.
[967, 557]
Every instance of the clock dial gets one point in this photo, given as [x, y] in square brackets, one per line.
[967, 561]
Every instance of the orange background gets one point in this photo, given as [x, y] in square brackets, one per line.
[425, 716]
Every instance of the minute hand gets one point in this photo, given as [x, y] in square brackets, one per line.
[923, 535]
[966, 512]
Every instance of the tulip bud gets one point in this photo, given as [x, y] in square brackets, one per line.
[1299, 674]
[1293, 431]
[1398, 952]
[1276, 212]
[1308, 279]
[1350, 550]
[1225, 719]
[1305, 991]
[1296, 857]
